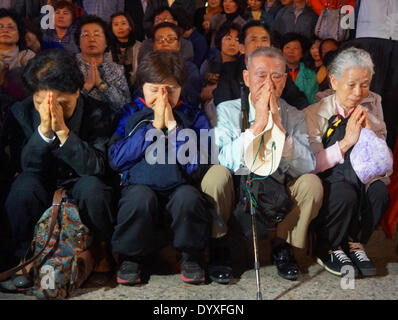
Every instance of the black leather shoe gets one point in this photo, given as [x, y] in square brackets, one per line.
[220, 274]
[220, 269]
[8, 286]
[285, 262]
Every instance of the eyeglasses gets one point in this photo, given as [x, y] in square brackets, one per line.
[86, 35]
[168, 39]
[9, 27]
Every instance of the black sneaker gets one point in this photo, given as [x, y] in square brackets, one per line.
[335, 262]
[191, 270]
[358, 256]
[129, 273]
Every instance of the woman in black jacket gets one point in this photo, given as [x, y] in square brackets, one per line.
[65, 139]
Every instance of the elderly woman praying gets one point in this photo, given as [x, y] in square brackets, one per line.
[351, 209]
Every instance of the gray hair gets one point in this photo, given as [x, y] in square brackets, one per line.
[351, 58]
[269, 52]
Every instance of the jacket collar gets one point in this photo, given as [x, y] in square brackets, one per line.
[327, 107]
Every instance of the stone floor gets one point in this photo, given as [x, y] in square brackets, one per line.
[313, 283]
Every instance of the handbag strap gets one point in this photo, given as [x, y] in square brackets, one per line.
[59, 193]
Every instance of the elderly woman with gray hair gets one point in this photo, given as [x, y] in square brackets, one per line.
[351, 208]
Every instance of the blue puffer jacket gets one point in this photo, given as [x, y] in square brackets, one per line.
[128, 147]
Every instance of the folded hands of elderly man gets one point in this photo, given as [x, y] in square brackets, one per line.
[265, 100]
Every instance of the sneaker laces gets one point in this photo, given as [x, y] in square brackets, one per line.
[129, 266]
[359, 251]
[341, 256]
[361, 255]
[191, 265]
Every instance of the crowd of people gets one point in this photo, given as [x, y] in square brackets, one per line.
[88, 87]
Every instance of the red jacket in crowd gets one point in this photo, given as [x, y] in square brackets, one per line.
[319, 5]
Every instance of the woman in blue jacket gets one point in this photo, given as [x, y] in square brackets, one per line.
[159, 167]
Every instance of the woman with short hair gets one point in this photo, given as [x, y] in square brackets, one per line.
[163, 191]
[226, 50]
[351, 208]
[63, 35]
[104, 79]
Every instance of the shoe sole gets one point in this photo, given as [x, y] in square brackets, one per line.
[192, 281]
[128, 282]
[368, 272]
[220, 281]
[336, 273]
[291, 278]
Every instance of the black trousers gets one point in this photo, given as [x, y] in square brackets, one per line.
[143, 212]
[31, 195]
[341, 216]
[385, 80]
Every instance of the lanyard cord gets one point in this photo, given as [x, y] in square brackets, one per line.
[249, 181]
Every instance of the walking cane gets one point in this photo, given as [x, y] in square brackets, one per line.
[256, 262]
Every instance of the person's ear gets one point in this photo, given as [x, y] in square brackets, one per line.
[333, 82]
[246, 78]
[241, 48]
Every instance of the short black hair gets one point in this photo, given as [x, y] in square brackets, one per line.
[241, 6]
[160, 9]
[292, 36]
[329, 57]
[327, 40]
[224, 29]
[170, 25]
[53, 69]
[250, 24]
[20, 25]
[96, 20]
[185, 21]
[65, 4]
[158, 66]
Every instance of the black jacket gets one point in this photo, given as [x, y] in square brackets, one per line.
[83, 154]
[286, 22]
[231, 83]
[134, 8]
[154, 5]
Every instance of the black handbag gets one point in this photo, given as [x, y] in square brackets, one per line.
[270, 198]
